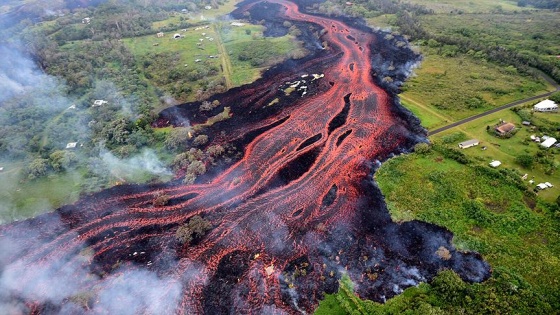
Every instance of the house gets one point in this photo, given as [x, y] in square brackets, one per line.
[71, 145]
[237, 24]
[468, 143]
[160, 34]
[176, 35]
[546, 106]
[208, 7]
[526, 123]
[548, 142]
[99, 103]
[542, 186]
[86, 20]
[505, 128]
[495, 163]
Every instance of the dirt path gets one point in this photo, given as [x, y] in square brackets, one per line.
[224, 57]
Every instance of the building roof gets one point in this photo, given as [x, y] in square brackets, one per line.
[469, 143]
[495, 163]
[99, 102]
[505, 128]
[71, 145]
[545, 104]
[548, 142]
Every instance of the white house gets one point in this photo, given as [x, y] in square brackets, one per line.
[71, 145]
[548, 142]
[546, 106]
[99, 103]
[495, 163]
[468, 143]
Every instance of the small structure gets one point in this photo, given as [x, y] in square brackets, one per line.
[160, 34]
[71, 145]
[526, 123]
[546, 106]
[468, 143]
[542, 186]
[237, 24]
[73, 106]
[208, 7]
[548, 142]
[184, 10]
[1, 168]
[86, 20]
[99, 103]
[495, 164]
[176, 35]
[505, 128]
[549, 185]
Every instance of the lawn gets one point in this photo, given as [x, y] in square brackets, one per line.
[26, 199]
[468, 6]
[461, 86]
[506, 150]
[264, 52]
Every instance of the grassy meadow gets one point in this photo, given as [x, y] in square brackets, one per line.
[506, 150]
[449, 88]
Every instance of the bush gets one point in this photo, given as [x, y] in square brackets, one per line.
[422, 148]
[161, 200]
[196, 228]
[525, 160]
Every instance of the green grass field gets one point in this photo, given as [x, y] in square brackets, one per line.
[452, 88]
[468, 6]
[25, 199]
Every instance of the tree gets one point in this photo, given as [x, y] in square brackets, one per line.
[196, 228]
[422, 148]
[37, 168]
[196, 168]
[200, 140]
[525, 160]
[161, 200]
[60, 160]
[177, 139]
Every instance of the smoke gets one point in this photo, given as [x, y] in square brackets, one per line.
[146, 161]
[129, 292]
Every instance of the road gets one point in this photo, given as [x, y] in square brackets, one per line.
[497, 109]
[224, 57]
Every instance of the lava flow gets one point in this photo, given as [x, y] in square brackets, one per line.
[289, 218]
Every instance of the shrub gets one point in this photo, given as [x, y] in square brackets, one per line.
[422, 148]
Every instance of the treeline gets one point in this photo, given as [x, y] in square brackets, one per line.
[541, 4]
[448, 294]
[409, 22]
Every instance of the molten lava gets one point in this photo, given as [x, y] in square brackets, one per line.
[297, 211]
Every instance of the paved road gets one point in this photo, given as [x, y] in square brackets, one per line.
[497, 109]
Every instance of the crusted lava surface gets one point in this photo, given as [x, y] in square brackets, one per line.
[297, 211]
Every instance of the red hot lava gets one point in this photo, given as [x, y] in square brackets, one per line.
[297, 211]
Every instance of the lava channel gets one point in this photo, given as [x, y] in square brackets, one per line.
[295, 213]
